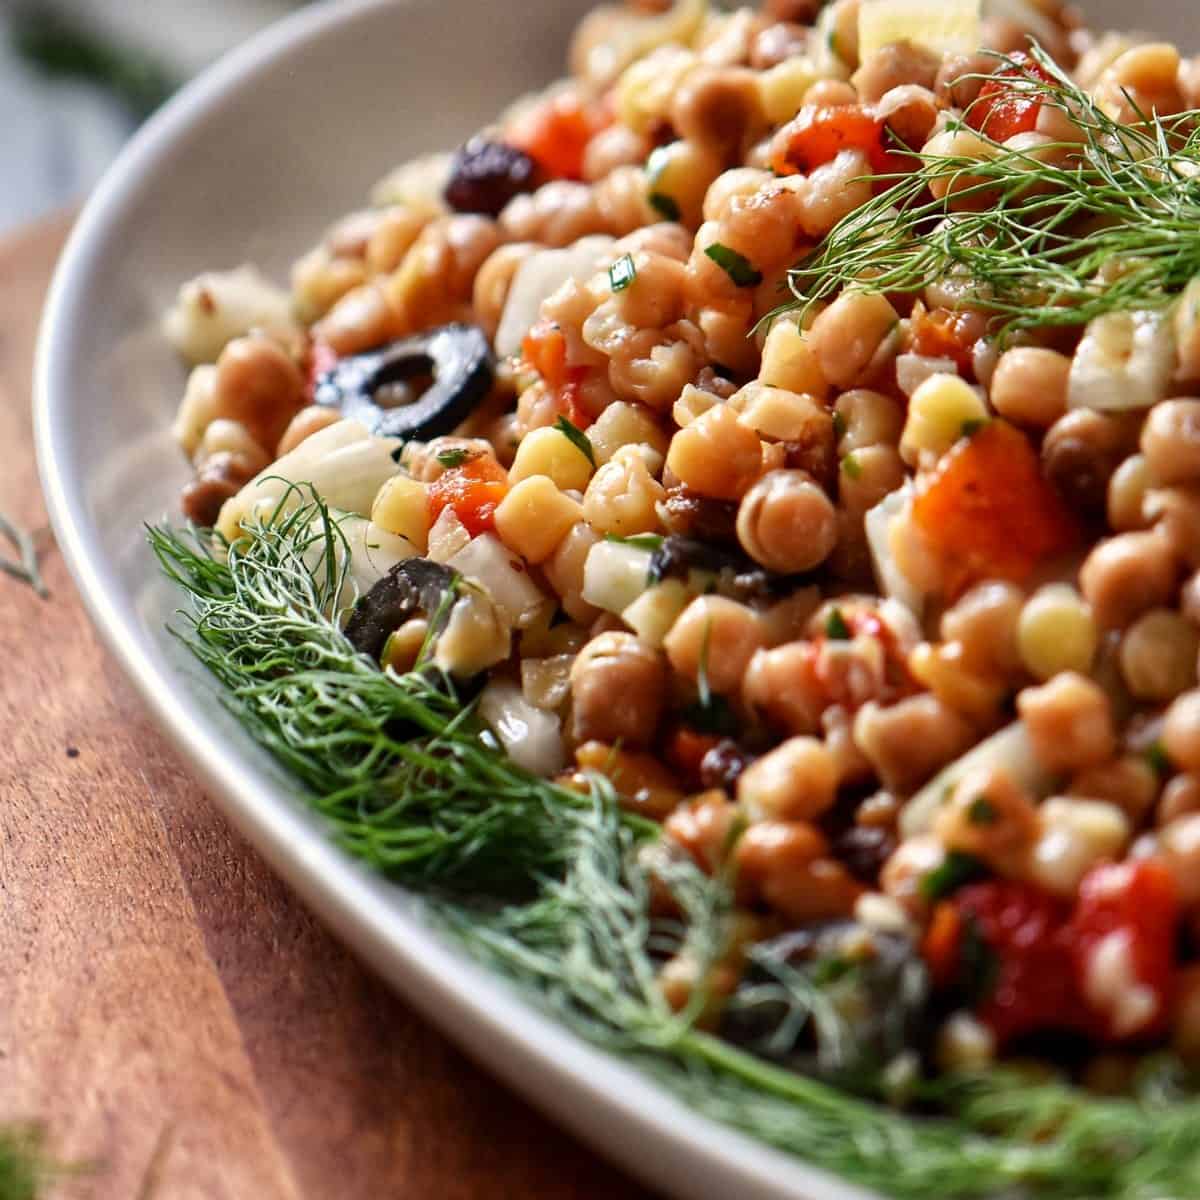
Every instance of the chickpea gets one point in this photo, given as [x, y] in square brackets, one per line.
[220, 478]
[990, 817]
[1030, 386]
[1080, 454]
[726, 330]
[868, 419]
[1141, 82]
[830, 93]
[645, 785]
[848, 335]
[1189, 599]
[361, 320]
[616, 146]
[703, 828]
[655, 297]
[1180, 798]
[1130, 783]
[961, 77]
[942, 670]
[787, 523]
[565, 568]
[1175, 514]
[905, 872]
[783, 863]
[1171, 442]
[622, 203]
[395, 232]
[1181, 732]
[729, 186]
[664, 237]
[618, 688]
[780, 686]
[718, 636]
[897, 63]
[834, 190]
[557, 214]
[797, 781]
[984, 622]
[1126, 576]
[1069, 721]
[319, 280]
[1127, 494]
[909, 113]
[678, 176]
[1179, 843]
[762, 227]
[909, 741]
[716, 455]
[1158, 656]
[878, 471]
[719, 108]
[963, 189]
[260, 386]
[231, 437]
[622, 495]
[786, 39]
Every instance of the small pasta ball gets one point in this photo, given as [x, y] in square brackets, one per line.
[1180, 846]
[909, 112]
[1142, 82]
[624, 424]
[781, 416]
[231, 437]
[781, 863]
[1029, 386]
[1181, 732]
[893, 65]
[1130, 783]
[787, 523]
[719, 108]
[942, 670]
[847, 336]
[654, 299]
[651, 369]
[197, 409]
[1158, 656]
[1175, 514]
[984, 622]
[782, 88]
[1127, 495]
[319, 281]
[796, 781]
[728, 186]
[304, 424]
[565, 568]
[678, 176]
[1069, 721]
[960, 144]
[617, 665]
[622, 496]
[1180, 798]
[550, 452]
[1076, 835]
[942, 410]
[877, 471]
[990, 817]
[361, 320]
[258, 384]
[716, 455]
[789, 361]
[833, 191]
[908, 742]
[1126, 576]
[534, 517]
[402, 507]
[392, 237]
[1171, 442]
[1057, 633]
[718, 636]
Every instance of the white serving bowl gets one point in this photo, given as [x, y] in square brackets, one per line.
[251, 163]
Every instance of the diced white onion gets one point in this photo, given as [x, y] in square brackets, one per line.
[892, 581]
[531, 737]
[1124, 362]
[654, 613]
[615, 575]
[373, 552]
[538, 278]
[487, 561]
[913, 369]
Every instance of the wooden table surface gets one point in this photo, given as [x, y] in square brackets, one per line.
[167, 1008]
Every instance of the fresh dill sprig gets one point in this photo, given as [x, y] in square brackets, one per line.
[1052, 235]
[25, 1166]
[25, 567]
[552, 889]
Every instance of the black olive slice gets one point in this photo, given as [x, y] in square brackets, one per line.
[415, 587]
[459, 357]
[737, 576]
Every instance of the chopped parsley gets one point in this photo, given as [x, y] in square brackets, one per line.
[666, 206]
[735, 265]
[982, 812]
[836, 628]
[979, 965]
[577, 438]
[622, 273]
[453, 458]
[1157, 757]
[640, 541]
[852, 466]
[957, 871]
[839, 426]
[971, 428]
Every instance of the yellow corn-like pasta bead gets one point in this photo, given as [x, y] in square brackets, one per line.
[941, 411]
[790, 362]
[783, 416]
[402, 507]
[623, 424]
[781, 89]
[551, 453]
[535, 517]
[645, 90]
[693, 402]
[1056, 633]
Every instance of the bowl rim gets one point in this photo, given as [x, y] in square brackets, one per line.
[606, 1102]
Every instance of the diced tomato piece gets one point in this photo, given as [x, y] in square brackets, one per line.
[988, 511]
[819, 133]
[686, 749]
[545, 350]
[942, 945]
[473, 490]
[555, 133]
[1008, 103]
[1029, 982]
[570, 398]
[322, 358]
[942, 333]
[1123, 946]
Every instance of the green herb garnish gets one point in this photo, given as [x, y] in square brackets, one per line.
[1157, 757]
[839, 426]
[982, 812]
[836, 627]
[24, 567]
[979, 965]
[957, 871]
[545, 886]
[1038, 246]
[971, 428]
[852, 466]
[453, 458]
[577, 438]
[666, 206]
[639, 541]
[622, 273]
[735, 265]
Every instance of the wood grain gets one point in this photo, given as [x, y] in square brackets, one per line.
[166, 1007]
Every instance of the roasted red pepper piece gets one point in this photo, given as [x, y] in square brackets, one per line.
[819, 133]
[474, 490]
[1009, 103]
[555, 133]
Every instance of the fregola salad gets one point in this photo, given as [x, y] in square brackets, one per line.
[728, 534]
